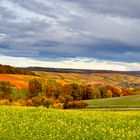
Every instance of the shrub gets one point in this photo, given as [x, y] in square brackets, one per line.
[17, 103]
[65, 100]
[58, 105]
[35, 87]
[28, 103]
[76, 104]
[40, 101]
[23, 102]
[5, 102]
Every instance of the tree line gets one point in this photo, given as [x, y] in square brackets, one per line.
[41, 92]
[6, 69]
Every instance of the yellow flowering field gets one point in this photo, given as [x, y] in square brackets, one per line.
[30, 123]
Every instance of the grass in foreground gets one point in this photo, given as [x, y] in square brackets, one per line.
[29, 123]
[118, 102]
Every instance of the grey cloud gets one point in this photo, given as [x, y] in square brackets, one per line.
[36, 7]
[125, 8]
[92, 28]
[6, 14]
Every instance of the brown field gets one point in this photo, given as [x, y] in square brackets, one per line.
[20, 81]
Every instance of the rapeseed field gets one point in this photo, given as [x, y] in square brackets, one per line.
[32, 123]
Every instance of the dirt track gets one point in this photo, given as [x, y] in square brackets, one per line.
[115, 109]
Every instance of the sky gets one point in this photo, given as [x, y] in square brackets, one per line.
[87, 34]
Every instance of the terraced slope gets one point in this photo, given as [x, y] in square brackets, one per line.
[91, 78]
[79, 78]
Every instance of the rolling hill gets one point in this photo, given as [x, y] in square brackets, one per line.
[95, 78]
[64, 76]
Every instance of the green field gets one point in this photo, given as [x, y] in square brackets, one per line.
[118, 102]
[29, 123]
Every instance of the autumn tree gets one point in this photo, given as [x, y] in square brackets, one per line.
[53, 89]
[95, 92]
[5, 89]
[67, 90]
[127, 91]
[77, 92]
[35, 87]
[117, 91]
[108, 94]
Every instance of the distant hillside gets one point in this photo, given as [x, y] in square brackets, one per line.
[92, 77]
[82, 71]
[122, 80]
[66, 76]
[6, 69]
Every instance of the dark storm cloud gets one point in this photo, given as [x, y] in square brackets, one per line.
[102, 29]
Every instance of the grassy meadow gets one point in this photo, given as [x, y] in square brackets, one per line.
[117, 102]
[24, 123]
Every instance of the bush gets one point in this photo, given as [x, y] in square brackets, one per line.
[76, 104]
[40, 101]
[35, 87]
[27, 103]
[5, 102]
[58, 105]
